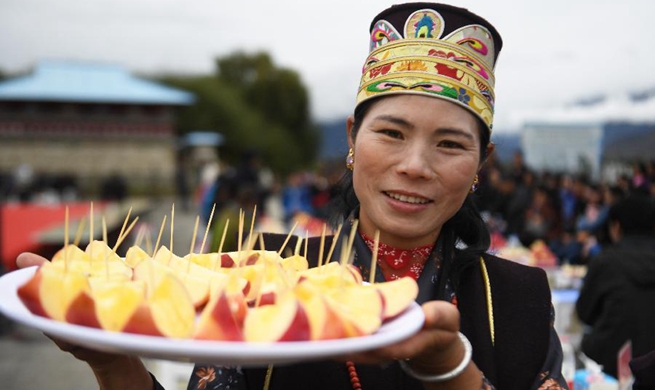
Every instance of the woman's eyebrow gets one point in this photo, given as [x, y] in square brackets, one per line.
[455, 132]
[394, 119]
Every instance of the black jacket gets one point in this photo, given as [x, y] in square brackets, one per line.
[617, 301]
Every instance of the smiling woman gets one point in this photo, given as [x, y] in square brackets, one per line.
[418, 137]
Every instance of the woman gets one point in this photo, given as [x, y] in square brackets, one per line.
[420, 134]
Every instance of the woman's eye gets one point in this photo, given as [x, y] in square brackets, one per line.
[392, 133]
[450, 144]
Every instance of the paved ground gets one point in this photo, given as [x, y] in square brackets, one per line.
[28, 360]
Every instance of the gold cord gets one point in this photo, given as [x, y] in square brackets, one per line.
[267, 379]
[490, 307]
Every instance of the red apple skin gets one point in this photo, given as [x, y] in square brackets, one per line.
[142, 322]
[334, 327]
[299, 329]
[223, 322]
[252, 259]
[82, 311]
[29, 295]
[226, 261]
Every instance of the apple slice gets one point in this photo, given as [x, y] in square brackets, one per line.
[286, 320]
[70, 253]
[172, 308]
[397, 295]
[57, 288]
[295, 262]
[210, 261]
[359, 308]
[116, 302]
[324, 322]
[223, 317]
[135, 255]
[82, 311]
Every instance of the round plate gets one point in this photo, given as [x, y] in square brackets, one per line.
[245, 354]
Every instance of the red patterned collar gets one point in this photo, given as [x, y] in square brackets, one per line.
[396, 263]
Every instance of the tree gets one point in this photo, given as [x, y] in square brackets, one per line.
[256, 106]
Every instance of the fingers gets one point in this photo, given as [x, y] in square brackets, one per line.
[438, 335]
[27, 259]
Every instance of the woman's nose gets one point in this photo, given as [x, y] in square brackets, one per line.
[416, 163]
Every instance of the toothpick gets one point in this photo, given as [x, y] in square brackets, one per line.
[334, 243]
[296, 250]
[220, 246]
[252, 226]
[127, 232]
[91, 224]
[161, 230]
[193, 240]
[148, 241]
[127, 217]
[321, 247]
[279, 252]
[172, 224]
[195, 231]
[374, 259]
[306, 243]
[78, 234]
[66, 242]
[105, 247]
[240, 237]
[139, 235]
[209, 224]
[351, 239]
[259, 294]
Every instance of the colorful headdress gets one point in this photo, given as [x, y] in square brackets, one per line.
[436, 50]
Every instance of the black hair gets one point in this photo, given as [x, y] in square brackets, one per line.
[466, 226]
[634, 214]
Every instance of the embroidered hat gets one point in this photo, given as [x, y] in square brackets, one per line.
[435, 50]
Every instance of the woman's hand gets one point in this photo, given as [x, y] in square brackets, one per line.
[112, 371]
[436, 349]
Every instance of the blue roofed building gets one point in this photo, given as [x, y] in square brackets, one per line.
[89, 121]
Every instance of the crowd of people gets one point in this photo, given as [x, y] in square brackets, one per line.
[569, 212]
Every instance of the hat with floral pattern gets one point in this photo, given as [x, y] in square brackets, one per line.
[435, 50]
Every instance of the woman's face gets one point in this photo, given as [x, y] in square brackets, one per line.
[415, 160]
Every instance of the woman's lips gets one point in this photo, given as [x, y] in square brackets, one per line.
[407, 198]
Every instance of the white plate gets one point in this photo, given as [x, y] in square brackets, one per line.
[216, 352]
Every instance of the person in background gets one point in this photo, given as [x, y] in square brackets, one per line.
[616, 299]
[418, 137]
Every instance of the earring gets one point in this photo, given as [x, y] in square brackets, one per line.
[474, 186]
[350, 159]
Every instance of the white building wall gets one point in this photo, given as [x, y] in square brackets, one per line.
[563, 148]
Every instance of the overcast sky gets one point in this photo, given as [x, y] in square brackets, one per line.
[555, 51]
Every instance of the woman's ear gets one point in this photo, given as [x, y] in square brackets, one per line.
[490, 149]
[349, 128]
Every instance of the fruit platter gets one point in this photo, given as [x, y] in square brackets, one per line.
[248, 307]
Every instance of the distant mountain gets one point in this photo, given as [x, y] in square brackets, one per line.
[333, 139]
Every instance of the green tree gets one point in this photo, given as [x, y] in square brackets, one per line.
[256, 106]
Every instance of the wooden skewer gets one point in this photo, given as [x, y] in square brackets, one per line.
[306, 243]
[127, 217]
[252, 227]
[284, 244]
[351, 239]
[193, 240]
[321, 247]
[220, 246]
[296, 250]
[195, 231]
[139, 235]
[105, 247]
[148, 241]
[66, 242]
[334, 243]
[172, 225]
[374, 258]
[209, 224]
[127, 232]
[161, 230]
[78, 234]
